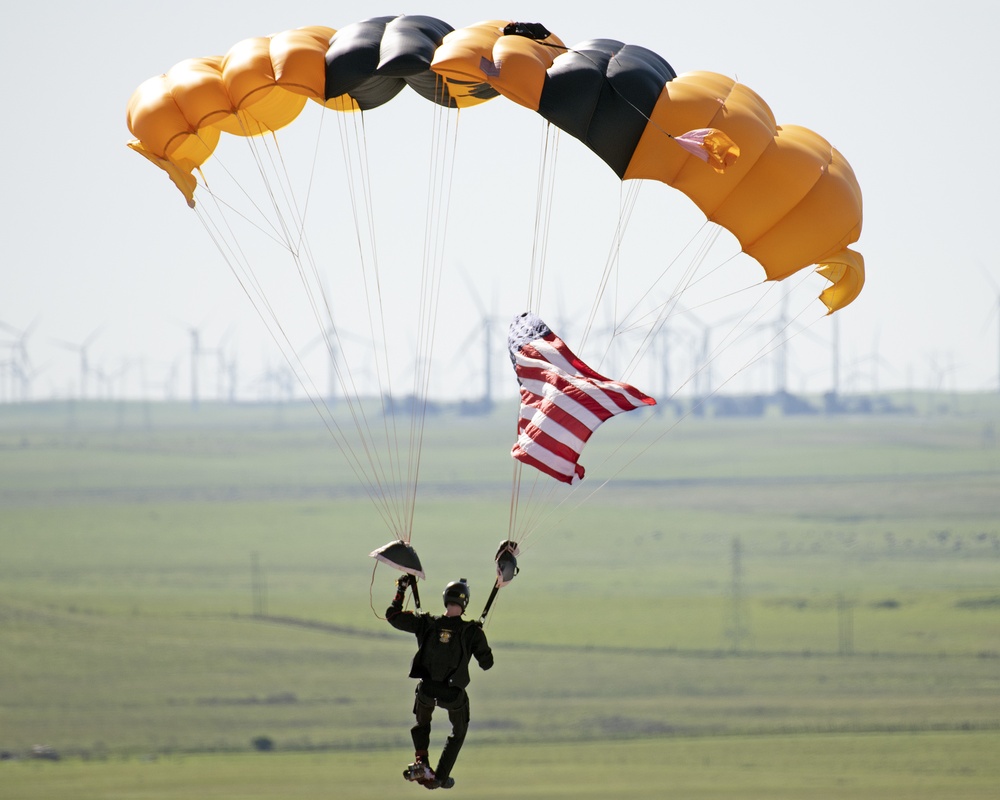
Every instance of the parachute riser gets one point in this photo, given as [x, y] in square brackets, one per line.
[489, 603]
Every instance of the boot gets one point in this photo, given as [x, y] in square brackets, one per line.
[419, 770]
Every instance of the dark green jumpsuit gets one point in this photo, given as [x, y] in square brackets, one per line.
[441, 663]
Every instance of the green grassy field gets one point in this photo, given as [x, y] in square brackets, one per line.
[922, 766]
[860, 656]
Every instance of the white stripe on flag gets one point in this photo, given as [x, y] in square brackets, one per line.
[552, 428]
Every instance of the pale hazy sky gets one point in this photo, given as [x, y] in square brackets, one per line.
[98, 245]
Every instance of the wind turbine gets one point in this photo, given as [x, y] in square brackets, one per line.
[276, 383]
[330, 339]
[996, 310]
[81, 348]
[229, 369]
[197, 353]
[701, 371]
[875, 360]
[20, 361]
[783, 328]
[223, 368]
[666, 338]
[485, 324]
[706, 354]
[8, 368]
[777, 347]
[195, 335]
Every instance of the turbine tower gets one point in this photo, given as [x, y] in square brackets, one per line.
[81, 348]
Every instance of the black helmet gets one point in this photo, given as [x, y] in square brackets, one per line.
[457, 592]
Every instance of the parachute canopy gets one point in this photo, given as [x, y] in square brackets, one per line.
[789, 197]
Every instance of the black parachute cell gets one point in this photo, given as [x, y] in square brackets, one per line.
[352, 60]
[408, 45]
[407, 50]
[372, 61]
[603, 93]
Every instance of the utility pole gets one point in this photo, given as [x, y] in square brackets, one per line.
[258, 586]
[195, 358]
[845, 626]
[738, 631]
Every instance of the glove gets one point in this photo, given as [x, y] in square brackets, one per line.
[401, 584]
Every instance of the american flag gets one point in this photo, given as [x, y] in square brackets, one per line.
[563, 401]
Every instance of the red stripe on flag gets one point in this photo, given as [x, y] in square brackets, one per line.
[563, 350]
[560, 449]
[564, 386]
[558, 415]
[587, 372]
[613, 390]
[541, 466]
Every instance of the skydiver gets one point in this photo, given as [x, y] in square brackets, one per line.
[446, 644]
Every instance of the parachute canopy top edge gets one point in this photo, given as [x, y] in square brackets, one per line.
[790, 198]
